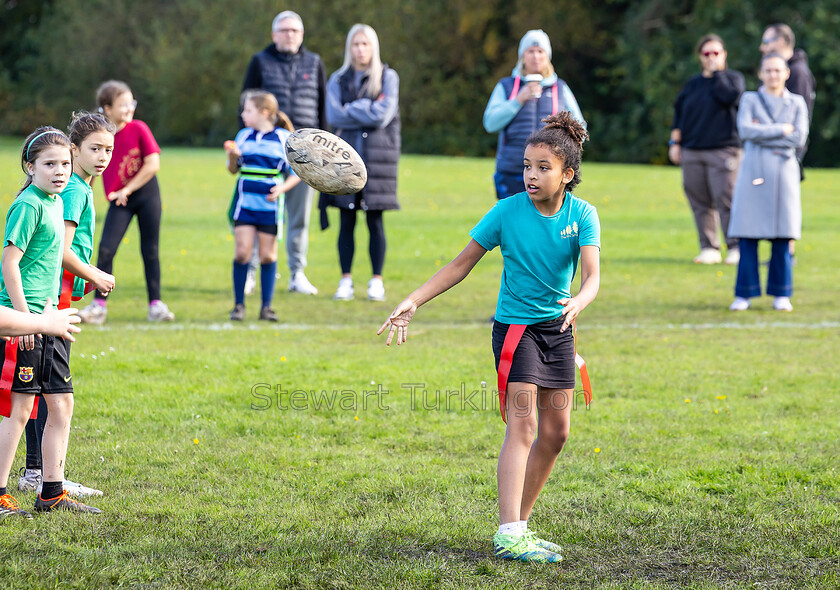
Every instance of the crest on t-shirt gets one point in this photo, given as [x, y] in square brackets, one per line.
[570, 230]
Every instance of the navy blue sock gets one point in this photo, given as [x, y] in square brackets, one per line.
[240, 275]
[52, 489]
[3, 491]
[268, 276]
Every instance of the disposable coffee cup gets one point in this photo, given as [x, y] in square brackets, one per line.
[534, 78]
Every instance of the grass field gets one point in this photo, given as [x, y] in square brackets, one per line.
[708, 459]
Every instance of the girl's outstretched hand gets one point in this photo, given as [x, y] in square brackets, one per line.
[398, 320]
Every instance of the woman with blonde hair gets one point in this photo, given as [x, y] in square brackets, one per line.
[518, 105]
[363, 107]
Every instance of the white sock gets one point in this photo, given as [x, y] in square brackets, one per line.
[511, 528]
[523, 525]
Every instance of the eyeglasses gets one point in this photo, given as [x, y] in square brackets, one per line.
[768, 40]
[288, 31]
[126, 105]
[710, 53]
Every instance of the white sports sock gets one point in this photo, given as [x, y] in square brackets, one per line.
[510, 528]
[523, 525]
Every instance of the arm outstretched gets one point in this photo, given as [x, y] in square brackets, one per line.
[443, 280]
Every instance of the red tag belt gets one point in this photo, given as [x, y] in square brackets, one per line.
[512, 338]
[7, 376]
[67, 280]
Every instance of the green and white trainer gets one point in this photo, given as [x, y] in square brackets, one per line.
[547, 545]
[522, 548]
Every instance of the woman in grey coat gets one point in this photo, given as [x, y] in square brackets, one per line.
[773, 123]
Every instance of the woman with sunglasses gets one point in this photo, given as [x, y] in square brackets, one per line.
[704, 141]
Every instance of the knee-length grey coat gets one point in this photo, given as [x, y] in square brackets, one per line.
[766, 201]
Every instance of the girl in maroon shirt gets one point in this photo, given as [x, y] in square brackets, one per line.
[132, 188]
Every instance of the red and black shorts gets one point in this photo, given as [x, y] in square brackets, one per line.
[44, 369]
[545, 356]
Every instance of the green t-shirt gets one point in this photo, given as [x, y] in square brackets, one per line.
[34, 224]
[78, 208]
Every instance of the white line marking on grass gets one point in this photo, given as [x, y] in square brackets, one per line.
[227, 326]
[717, 326]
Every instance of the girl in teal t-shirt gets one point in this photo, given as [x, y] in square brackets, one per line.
[542, 232]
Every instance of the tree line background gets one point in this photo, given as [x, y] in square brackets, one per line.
[185, 60]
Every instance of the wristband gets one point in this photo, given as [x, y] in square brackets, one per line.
[673, 142]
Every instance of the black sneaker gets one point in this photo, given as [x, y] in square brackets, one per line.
[238, 313]
[63, 502]
[266, 313]
[10, 507]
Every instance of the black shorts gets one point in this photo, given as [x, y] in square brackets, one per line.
[263, 229]
[44, 369]
[545, 356]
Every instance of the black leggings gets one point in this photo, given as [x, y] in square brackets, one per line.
[145, 204]
[347, 242]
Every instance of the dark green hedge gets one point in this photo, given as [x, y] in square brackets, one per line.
[185, 60]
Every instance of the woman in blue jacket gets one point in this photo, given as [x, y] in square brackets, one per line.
[518, 105]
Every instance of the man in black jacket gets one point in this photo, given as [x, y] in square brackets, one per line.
[780, 38]
[298, 79]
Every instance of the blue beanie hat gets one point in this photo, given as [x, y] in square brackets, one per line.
[535, 37]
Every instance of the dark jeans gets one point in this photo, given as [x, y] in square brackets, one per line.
[779, 275]
[508, 184]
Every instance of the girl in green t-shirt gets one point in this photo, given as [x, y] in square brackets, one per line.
[31, 265]
[92, 140]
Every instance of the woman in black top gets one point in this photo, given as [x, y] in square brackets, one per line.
[705, 142]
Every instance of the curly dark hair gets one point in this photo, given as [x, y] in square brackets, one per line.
[564, 136]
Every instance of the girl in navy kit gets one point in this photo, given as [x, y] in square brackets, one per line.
[258, 154]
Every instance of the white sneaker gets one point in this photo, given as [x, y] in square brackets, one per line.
[300, 284]
[740, 304]
[76, 489]
[94, 314]
[345, 290]
[708, 256]
[30, 480]
[733, 256]
[159, 312]
[782, 304]
[376, 290]
[250, 281]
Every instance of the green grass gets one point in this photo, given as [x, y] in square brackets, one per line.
[708, 458]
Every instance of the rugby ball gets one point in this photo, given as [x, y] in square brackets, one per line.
[325, 162]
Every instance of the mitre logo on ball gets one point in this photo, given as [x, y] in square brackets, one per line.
[325, 162]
